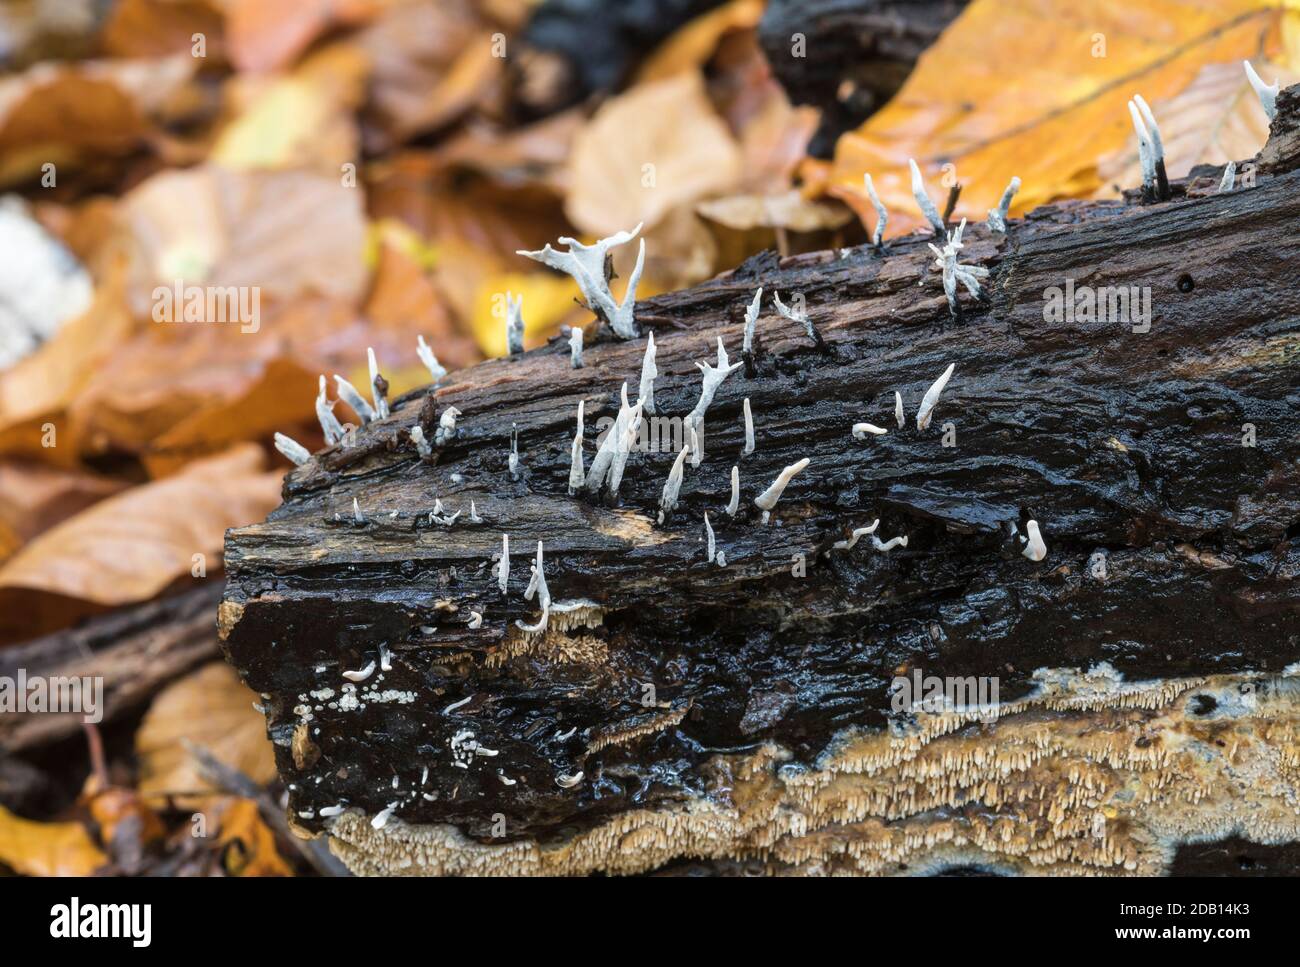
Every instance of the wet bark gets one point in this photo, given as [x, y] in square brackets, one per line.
[1162, 466]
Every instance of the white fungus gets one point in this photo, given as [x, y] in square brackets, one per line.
[923, 200]
[768, 498]
[292, 449]
[329, 423]
[751, 320]
[997, 220]
[882, 214]
[586, 263]
[857, 534]
[514, 324]
[648, 373]
[733, 505]
[749, 429]
[377, 393]
[436, 370]
[349, 395]
[931, 398]
[363, 674]
[862, 430]
[1035, 548]
[1267, 93]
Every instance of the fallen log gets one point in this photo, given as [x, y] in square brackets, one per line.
[1143, 665]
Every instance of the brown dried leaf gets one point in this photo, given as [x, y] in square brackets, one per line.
[211, 708]
[647, 151]
[130, 547]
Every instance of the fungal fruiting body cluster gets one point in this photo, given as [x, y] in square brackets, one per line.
[587, 265]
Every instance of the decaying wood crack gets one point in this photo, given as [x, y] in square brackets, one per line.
[674, 709]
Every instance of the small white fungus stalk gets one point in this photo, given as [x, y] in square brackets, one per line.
[886, 546]
[576, 472]
[575, 347]
[503, 565]
[475, 621]
[609, 446]
[513, 460]
[624, 449]
[567, 781]
[861, 430]
[514, 324]
[734, 504]
[291, 448]
[751, 320]
[1151, 151]
[648, 373]
[923, 200]
[1267, 93]
[1035, 548]
[766, 501]
[446, 426]
[708, 536]
[997, 220]
[436, 370]
[673, 486]
[713, 377]
[421, 444]
[357, 516]
[931, 398]
[882, 214]
[749, 429]
[349, 395]
[474, 518]
[586, 263]
[362, 674]
[797, 315]
[329, 423]
[857, 534]
[537, 585]
[1229, 178]
[898, 410]
[378, 386]
[955, 272]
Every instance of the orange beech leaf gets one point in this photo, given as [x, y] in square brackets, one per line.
[34, 498]
[249, 843]
[1040, 90]
[131, 546]
[209, 707]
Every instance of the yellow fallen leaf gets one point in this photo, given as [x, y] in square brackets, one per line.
[47, 849]
[249, 843]
[212, 708]
[647, 151]
[1040, 91]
